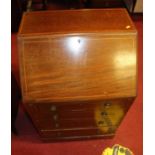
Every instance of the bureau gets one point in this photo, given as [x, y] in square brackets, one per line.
[78, 71]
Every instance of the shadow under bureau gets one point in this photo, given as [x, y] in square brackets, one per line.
[78, 71]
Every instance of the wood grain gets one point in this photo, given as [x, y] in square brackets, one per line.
[62, 69]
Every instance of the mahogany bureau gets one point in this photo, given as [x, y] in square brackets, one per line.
[78, 71]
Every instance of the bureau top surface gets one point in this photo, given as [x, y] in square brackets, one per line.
[75, 21]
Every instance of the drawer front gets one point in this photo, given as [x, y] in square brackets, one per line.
[64, 111]
[74, 134]
[49, 124]
[101, 114]
[81, 109]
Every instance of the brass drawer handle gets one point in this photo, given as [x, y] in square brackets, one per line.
[55, 117]
[53, 108]
[107, 104]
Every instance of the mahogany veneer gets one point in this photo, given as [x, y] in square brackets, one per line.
[78, 71]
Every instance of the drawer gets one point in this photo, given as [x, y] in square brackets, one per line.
[50, 124]
[65, 108]
[77, 110]
[75, 134]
